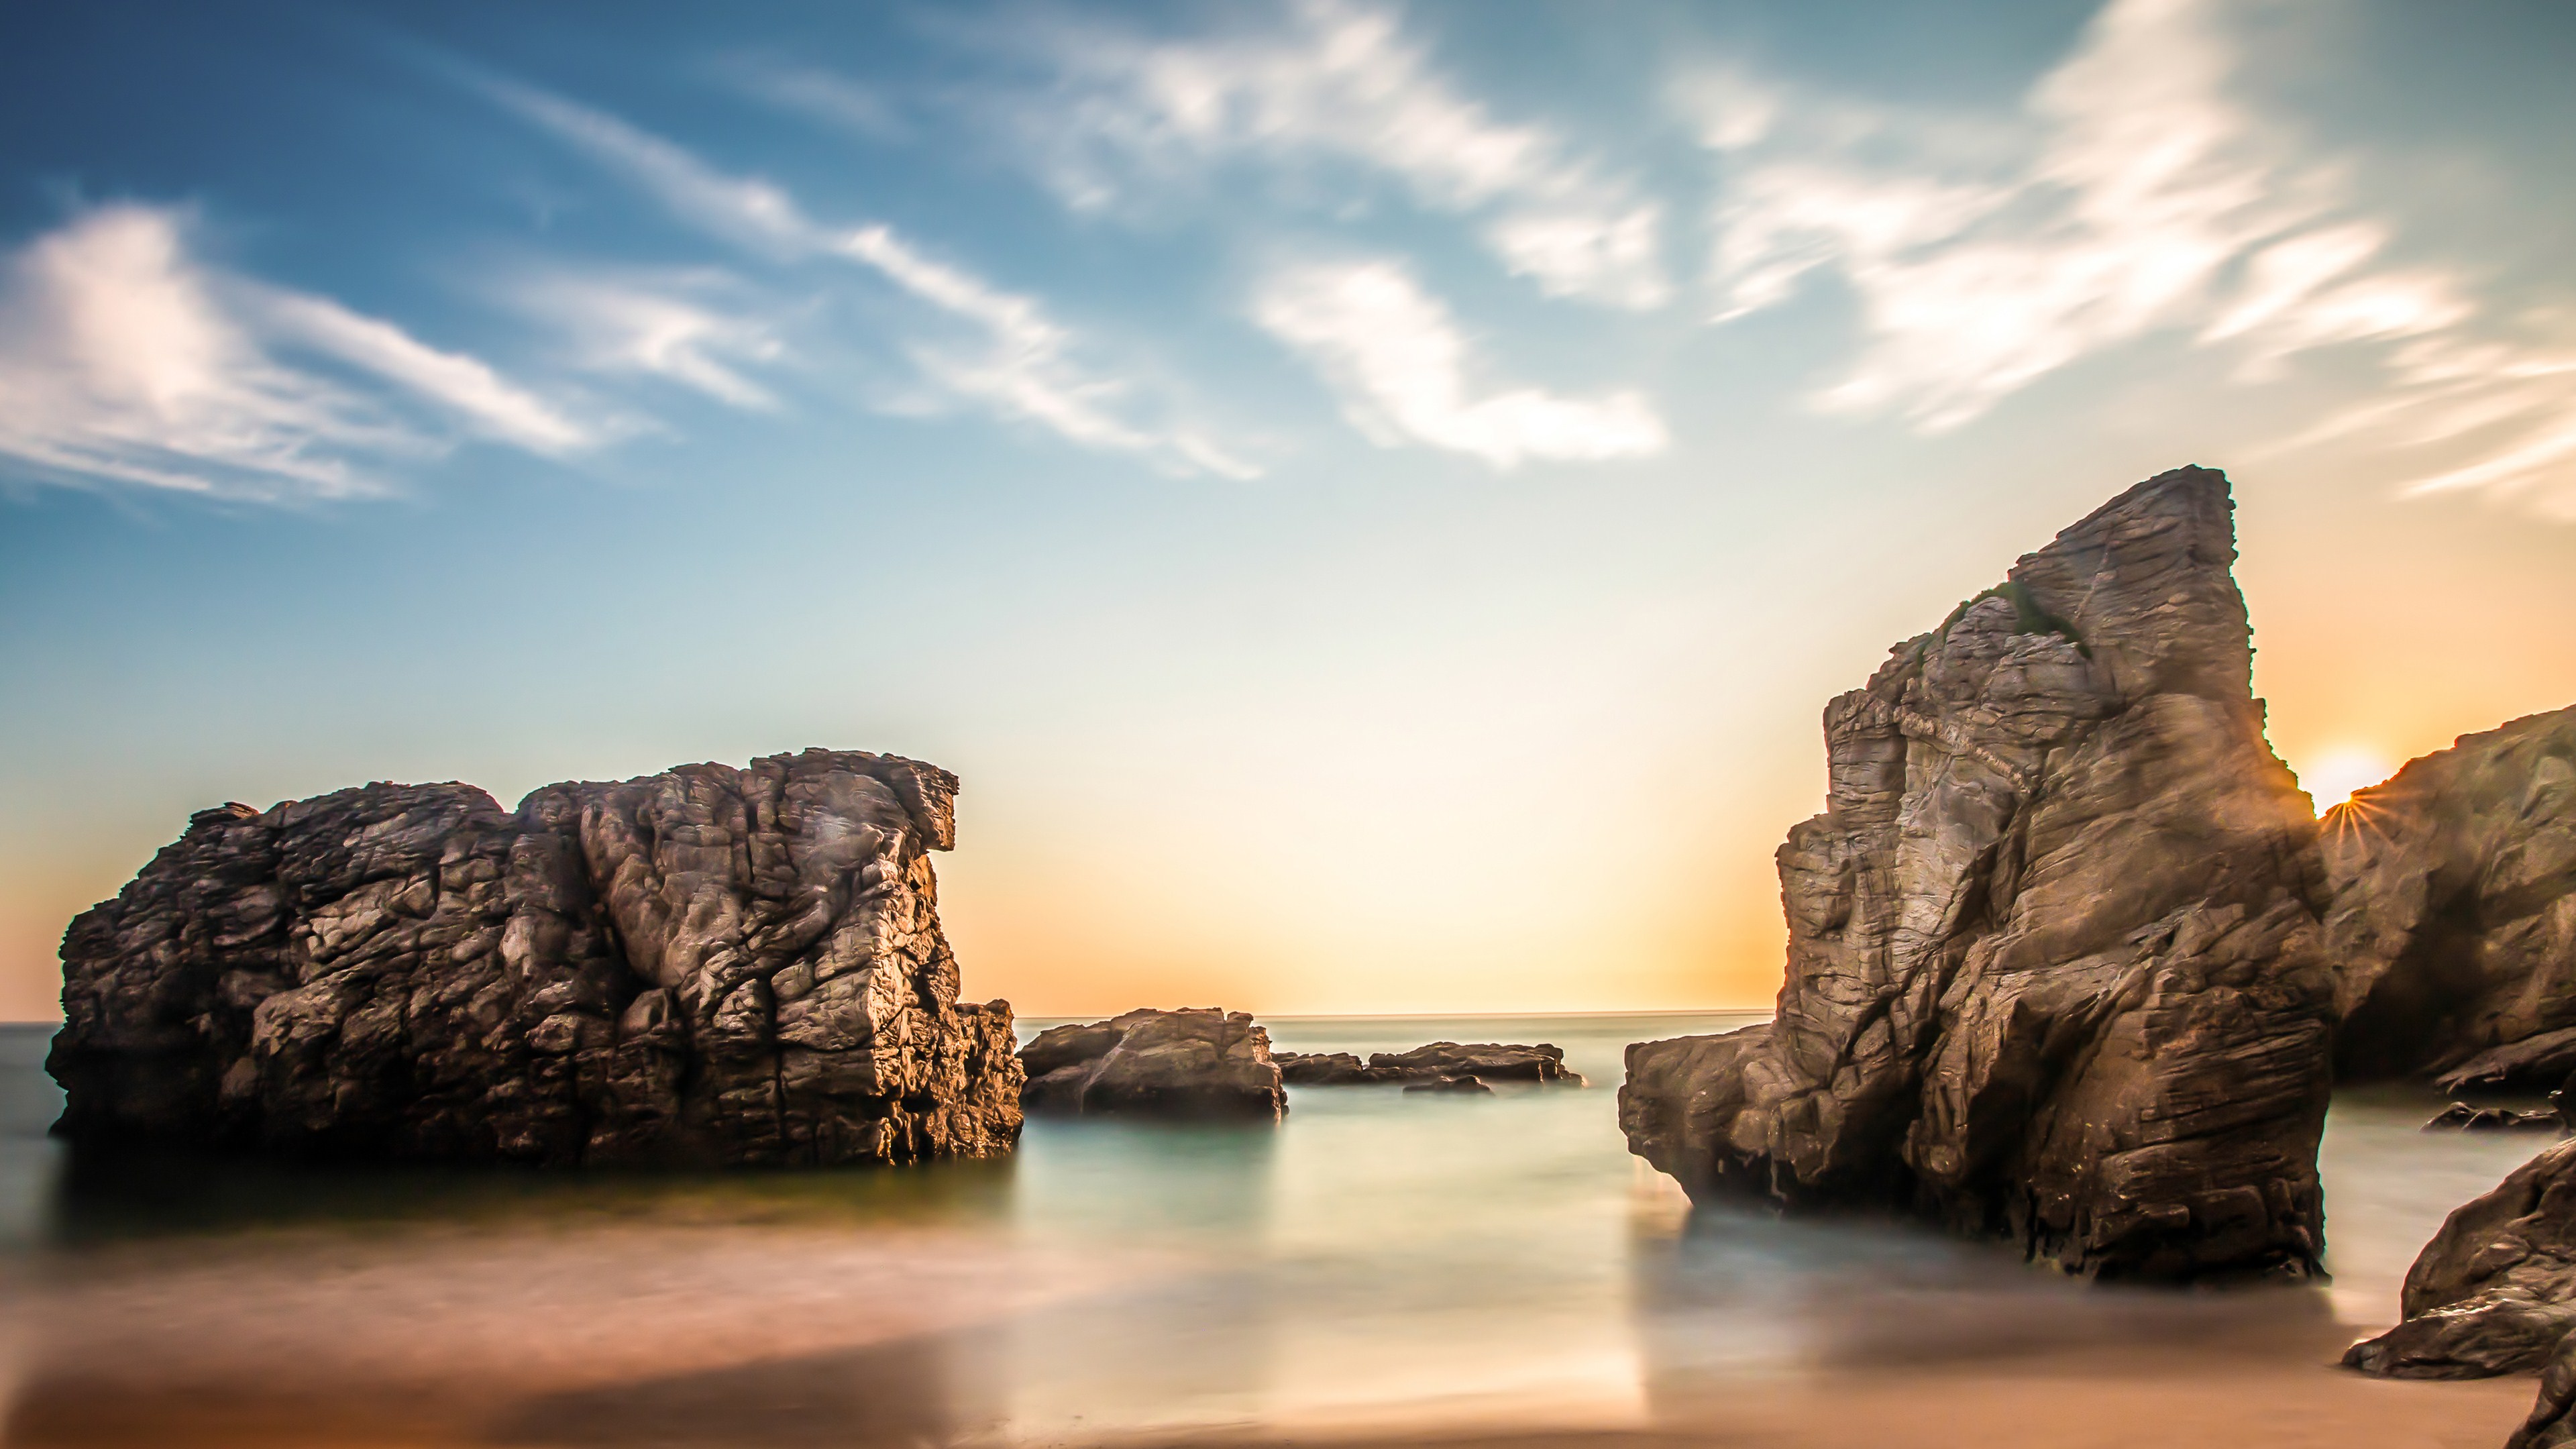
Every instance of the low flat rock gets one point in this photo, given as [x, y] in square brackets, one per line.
[1470, 1086]
[1490, 1061]
[1330, 1069]
[706, 966]
[1193, 1062]
[2494, 1292]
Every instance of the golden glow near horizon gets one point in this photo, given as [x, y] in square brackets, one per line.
[2339, 771]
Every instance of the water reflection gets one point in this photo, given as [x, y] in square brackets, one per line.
[1378, 1259]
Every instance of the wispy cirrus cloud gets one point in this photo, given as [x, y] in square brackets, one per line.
[690, 328]
[1341, 82]
[1004, 353]
[2149, 199]
[126, 359]
[1404, 373]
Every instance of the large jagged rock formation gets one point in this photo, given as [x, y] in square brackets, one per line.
[2454, 918]
[2054, 967]
[2495, 1291]
[708, 965]
[1198, 1061]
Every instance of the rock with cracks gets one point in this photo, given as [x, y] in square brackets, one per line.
[2054, 963]
[1194, 1062]
[2495, 1291]
[2453, 926]
[706, 966]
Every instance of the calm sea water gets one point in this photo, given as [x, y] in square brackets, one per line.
[1379, 1257]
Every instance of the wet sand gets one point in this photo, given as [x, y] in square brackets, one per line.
[794, 1335]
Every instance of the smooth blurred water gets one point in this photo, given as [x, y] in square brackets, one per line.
[1378, 1257]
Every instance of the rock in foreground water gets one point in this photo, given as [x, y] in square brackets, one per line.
[705, 966]
[2495, 1291]
[2054, 967]
[2453, 926]
[1194, 1062]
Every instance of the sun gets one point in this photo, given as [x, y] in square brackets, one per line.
[2339, 772]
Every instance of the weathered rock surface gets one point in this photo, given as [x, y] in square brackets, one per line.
[1490, 1061]
[2453, 925]
[1329, 1069]
[1502, 1062]
[1194, 1062]
[708, 965]
[1469, 1085]
[2054, 966]
[2495, 1291]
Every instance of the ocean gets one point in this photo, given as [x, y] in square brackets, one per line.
[1380, 1264]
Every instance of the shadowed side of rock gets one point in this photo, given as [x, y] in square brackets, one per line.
[2494, 1292]
[2054, 962]
[2453, 926]
[1193, 1062]
[708, 965]
[2552, 1423]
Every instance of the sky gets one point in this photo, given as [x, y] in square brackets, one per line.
[1371, 499]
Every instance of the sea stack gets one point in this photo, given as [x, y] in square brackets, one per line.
[2055, 970]
[706, 966]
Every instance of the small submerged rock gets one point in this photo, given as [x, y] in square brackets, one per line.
[2461, 1117]
[1451, 1084]
[1194, 1062]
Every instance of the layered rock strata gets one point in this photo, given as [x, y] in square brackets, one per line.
[2494, 1292]
[705, 966]
[2453, 925]
[1194, 1062]
[1494, 1061]
[2054, 958]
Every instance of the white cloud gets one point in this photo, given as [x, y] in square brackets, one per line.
[124, 359]
[1401, 369]
[2150, 200]
[660, 325]
[1343, 81]
[1016, 362]
[463, 386]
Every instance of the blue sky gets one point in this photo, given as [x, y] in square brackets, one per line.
[1369, 497]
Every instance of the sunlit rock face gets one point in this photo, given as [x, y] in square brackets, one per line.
[2054, 953]
[2454, 918]
[709, 965]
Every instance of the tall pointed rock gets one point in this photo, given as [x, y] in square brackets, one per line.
[2054, 963]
